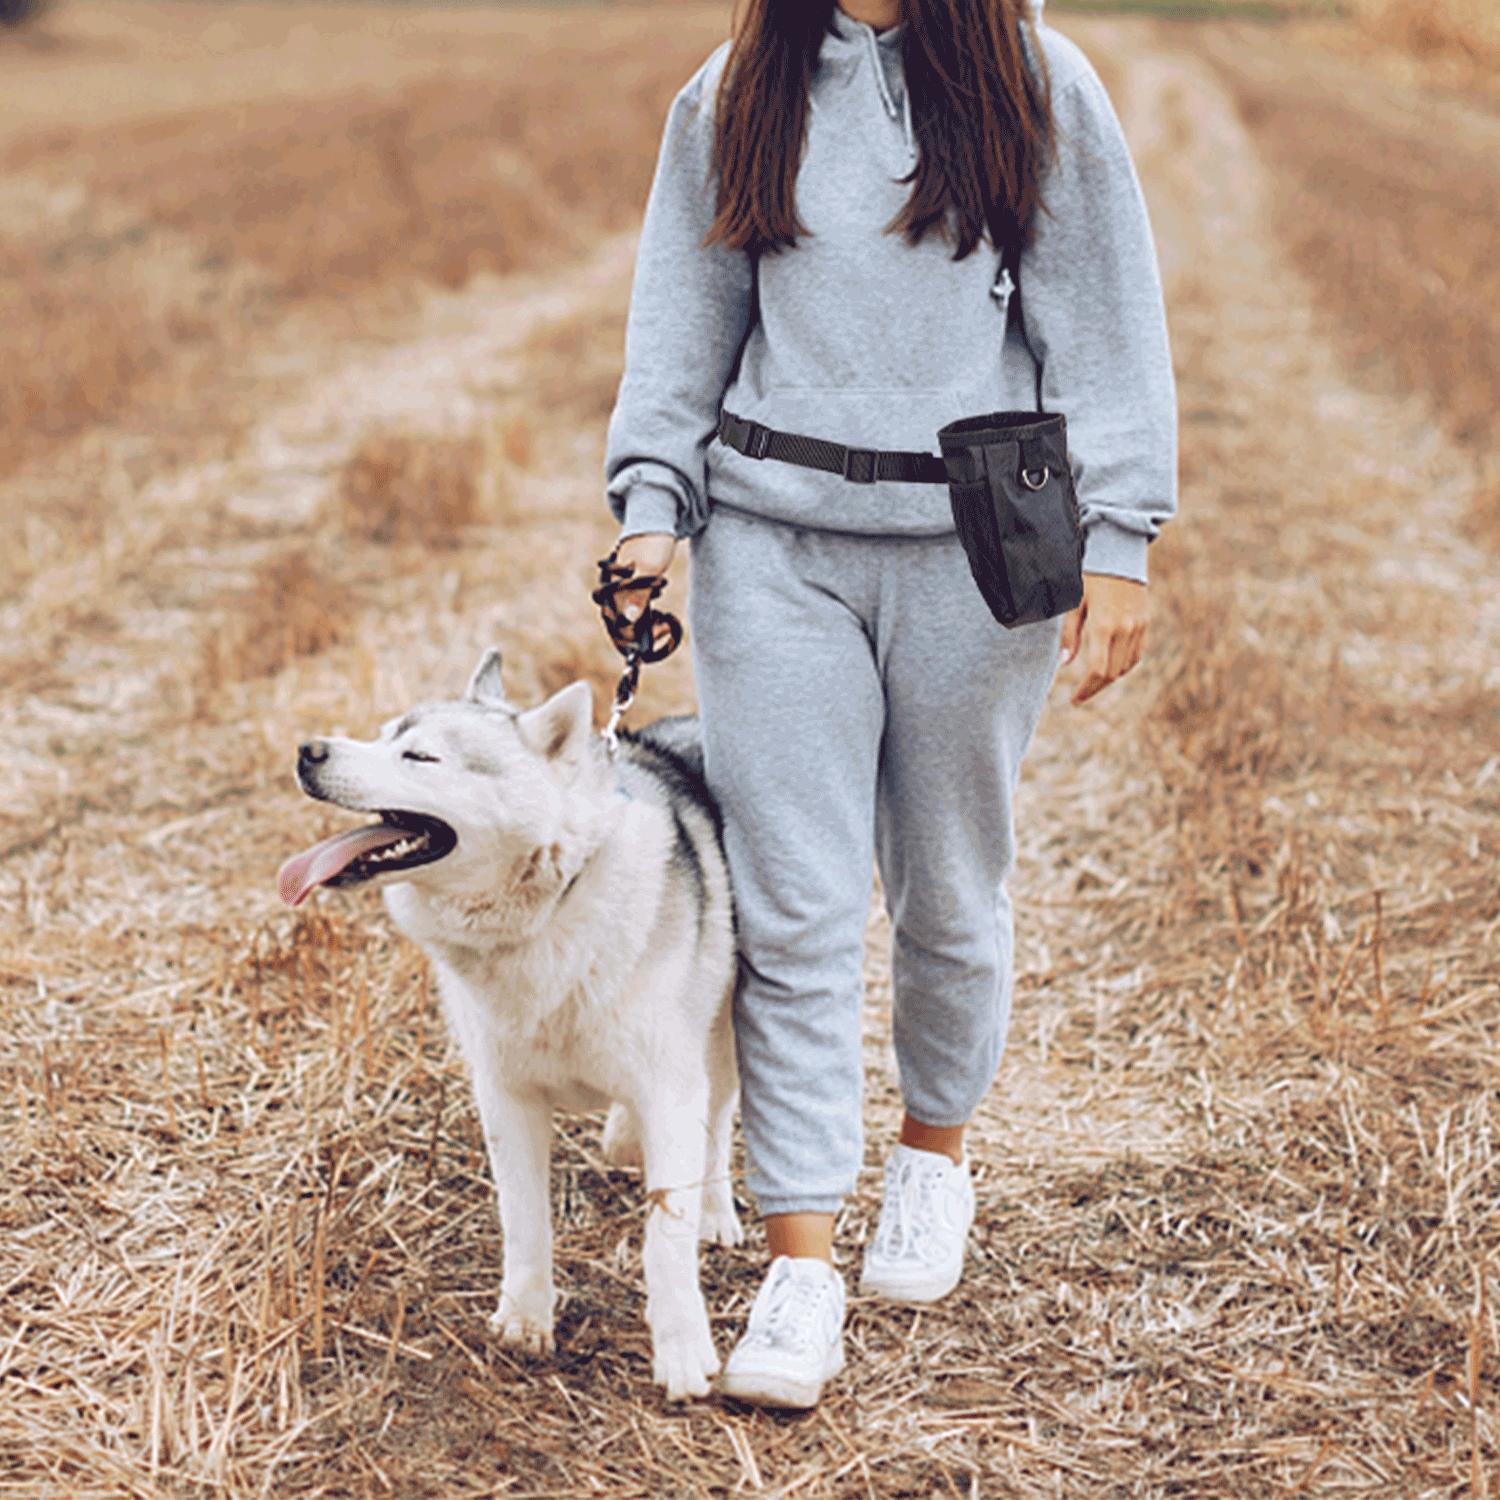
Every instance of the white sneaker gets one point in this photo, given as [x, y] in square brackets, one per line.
[794, 1340]
[917, 1252]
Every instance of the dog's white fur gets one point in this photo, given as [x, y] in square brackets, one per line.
[609, 991]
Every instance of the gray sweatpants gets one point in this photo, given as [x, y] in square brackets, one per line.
[859, 702]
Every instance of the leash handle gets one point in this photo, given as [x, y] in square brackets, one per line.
[644, 635]
[654, 634]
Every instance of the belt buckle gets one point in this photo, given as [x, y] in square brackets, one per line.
[864, 454]
[757, 440]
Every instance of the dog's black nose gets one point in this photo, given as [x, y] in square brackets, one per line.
[313, 753]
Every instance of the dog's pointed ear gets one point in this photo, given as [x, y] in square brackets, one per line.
[485, 685]
[561, 726]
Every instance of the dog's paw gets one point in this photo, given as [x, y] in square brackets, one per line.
[719, 1224]
[621, 1142]
[685, 1364]
[520, 1327]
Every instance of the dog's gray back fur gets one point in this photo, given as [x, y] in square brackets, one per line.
[668, 753]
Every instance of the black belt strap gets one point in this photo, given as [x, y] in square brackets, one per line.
[862, 465]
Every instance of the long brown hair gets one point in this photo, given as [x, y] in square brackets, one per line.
[982, 121]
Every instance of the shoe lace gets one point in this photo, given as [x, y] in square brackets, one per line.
[906, 1213]
[794, 1303]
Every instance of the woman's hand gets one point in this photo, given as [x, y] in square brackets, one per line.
[648, 552]
[1117, 611]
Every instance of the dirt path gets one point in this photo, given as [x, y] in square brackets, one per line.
[179, 546]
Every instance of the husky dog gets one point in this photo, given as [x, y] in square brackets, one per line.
[578, 915]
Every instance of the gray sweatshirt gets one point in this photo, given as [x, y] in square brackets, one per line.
[860, 338]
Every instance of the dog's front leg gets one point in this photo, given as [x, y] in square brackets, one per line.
[675, 1137]
[518, 1136]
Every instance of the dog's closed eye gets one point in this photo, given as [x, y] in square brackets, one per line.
[419, 755]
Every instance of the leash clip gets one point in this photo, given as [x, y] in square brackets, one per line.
[623, 699]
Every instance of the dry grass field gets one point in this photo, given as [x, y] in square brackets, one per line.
[1428, 31]
[310, 321]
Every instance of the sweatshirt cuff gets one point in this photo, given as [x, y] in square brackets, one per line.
[1108, 548]
[648, 507]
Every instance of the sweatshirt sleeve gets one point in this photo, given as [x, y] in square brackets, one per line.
[690, 310]
[1094, 315]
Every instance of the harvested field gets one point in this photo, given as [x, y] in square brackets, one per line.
[271, 273]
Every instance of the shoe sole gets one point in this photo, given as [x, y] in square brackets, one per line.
[778, 1390]
[919, 1292]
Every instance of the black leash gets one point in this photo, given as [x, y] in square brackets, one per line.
[655, 633]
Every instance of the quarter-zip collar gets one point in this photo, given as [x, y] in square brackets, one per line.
[850, 42]
[853, 42]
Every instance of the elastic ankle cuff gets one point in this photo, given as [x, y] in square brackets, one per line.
[792, 1205]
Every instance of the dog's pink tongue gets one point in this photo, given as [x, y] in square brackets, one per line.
[325, 859]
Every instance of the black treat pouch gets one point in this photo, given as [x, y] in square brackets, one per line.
[1016, 511]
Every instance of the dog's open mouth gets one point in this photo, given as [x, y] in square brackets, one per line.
[399, 841]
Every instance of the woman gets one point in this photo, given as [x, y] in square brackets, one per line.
[813, 260]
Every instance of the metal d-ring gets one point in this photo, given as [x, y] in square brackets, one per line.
[1026, 477]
